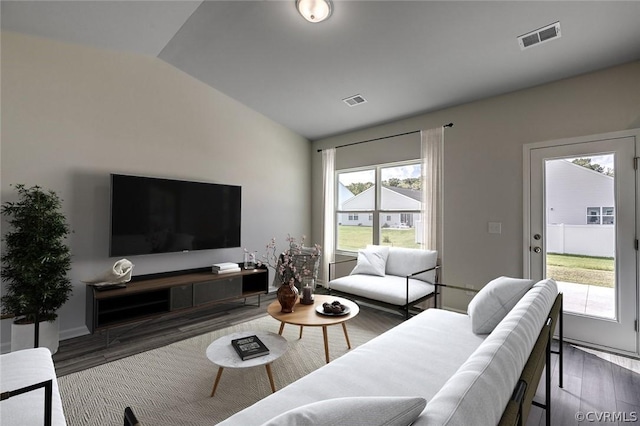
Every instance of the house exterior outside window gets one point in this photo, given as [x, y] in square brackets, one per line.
[600, 216]
[607, 216]
[593, 215]
[378, 205]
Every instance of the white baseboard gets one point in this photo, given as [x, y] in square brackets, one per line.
[73, 332]
[64, 335]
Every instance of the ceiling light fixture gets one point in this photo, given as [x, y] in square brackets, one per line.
[314, 11]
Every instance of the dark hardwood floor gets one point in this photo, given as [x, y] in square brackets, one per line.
[89, 351]
[600, 388]
[603, 387]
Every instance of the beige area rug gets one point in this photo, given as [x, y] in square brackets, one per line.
[171, 385]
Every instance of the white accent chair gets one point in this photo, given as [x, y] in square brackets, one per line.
[393, 277]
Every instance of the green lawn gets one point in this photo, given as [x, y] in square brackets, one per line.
[599, 271]
[356, 237]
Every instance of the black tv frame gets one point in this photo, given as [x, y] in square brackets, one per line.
[161, 215]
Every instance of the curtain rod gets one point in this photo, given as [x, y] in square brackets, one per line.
[384, 137]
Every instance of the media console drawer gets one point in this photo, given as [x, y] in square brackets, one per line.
[210, 291]
[181, 297]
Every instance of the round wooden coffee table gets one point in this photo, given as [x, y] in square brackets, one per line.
[307, 316]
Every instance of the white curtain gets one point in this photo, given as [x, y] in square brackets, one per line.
[328, 215]
[431, 148]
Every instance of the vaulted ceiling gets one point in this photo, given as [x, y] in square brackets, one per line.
[404, 58]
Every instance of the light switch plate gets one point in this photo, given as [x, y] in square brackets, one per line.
[495, 227]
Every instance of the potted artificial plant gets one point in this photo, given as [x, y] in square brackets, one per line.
[35, 262]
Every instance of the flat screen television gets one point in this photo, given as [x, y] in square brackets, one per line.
[152, 215]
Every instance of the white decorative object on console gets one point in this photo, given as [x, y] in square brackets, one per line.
[119, 273]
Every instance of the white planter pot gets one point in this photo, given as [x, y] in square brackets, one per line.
[22, 336]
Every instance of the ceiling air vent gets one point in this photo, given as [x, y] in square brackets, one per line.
[541, 35]
[354, 100]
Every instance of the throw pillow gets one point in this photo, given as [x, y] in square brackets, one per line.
[372, 261]
[494, 302]
[370, 411]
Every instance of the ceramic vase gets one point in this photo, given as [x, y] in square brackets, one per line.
[287, 296]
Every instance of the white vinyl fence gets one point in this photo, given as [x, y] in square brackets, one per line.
[588, 240]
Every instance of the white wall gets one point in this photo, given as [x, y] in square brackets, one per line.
[483, 162]
[72, 115]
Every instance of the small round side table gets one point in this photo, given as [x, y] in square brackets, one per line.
[221, 353]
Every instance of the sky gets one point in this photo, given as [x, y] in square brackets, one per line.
[605, 161]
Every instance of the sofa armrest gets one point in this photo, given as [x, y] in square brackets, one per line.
[439, 285]
[435, 268]
[456, 287]
[413, 274]
[339, 262]
[343, 261]
[48, 396]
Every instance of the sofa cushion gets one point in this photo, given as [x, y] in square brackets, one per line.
[494, 302]
[388, 289]
[405, 261]
[480, 390]
[372, 261]
[372, 411]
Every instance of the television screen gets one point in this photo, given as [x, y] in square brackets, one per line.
[151, 215]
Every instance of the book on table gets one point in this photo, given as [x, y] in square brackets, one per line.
[225, 268]
[249, 347]
[224, 265]
[227, 271]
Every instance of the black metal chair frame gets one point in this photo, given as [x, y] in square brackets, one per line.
[130, 418]
[48, 397]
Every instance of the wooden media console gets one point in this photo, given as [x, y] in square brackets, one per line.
[155, 295]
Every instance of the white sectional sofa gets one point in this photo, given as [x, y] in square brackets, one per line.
[463, 367]
[392, 276]
[23, 369]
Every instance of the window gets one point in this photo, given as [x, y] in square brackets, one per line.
[389, 196]
[593, 215]
[607, 215]
[600, 215]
